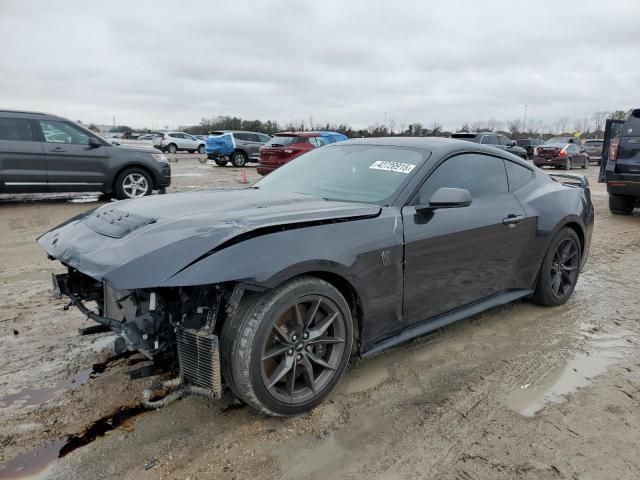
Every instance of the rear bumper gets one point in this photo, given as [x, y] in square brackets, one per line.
[622, 186]
[549, 161]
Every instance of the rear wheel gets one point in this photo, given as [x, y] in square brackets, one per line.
[621, 204]
[239, 159]
[559, 270]
[201, 149]
[220, 163]
[172, 148]
[569, 164]
[286, 349]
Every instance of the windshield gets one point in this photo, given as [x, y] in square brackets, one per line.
[281, 140]
[350, 173]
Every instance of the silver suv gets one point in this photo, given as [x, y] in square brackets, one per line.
[173, 142]
[247, 147]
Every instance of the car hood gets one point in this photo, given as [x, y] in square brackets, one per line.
[142, 243]
[148, 149]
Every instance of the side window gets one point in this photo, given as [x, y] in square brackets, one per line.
[253, 137]
[264, 138]
[483, 175]
[518, 175]
[504, 140]
[316, 141]
[15, 129]
[56, 131]
[490, 140]
[241, 136]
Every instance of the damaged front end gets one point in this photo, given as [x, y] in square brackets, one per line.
[168, 325]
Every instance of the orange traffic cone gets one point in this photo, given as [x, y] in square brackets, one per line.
[243, 176]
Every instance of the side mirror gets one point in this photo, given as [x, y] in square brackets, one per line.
[94, 142]
[513, 143]
[446, 197]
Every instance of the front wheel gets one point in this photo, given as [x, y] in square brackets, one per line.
[201, 149]
[133, 183]
[559, 270]
[569, 164]
[220, 163]
[286, 349]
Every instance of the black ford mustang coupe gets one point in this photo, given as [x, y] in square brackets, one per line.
[350, 249]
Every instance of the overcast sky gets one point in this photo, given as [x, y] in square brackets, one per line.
[163, 63]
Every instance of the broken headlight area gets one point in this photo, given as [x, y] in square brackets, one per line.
[177, 327]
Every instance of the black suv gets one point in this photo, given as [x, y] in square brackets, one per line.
[620, 165]
[46, 153]
[494, 139]
[529, 144]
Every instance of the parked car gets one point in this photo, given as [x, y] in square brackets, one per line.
[494, 139]
[173, 142]
[148, 136]
[286, 146]
[561, 152]
[593, 147]
[355, 247]
[620, 166]
[46, 153]
[246, 147]
[529, 144]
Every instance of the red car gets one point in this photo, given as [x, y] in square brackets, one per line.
[561, 152]
[284, 147]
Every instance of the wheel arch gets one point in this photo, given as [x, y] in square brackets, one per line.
[130, 166]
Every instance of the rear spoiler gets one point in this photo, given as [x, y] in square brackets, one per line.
[572, 179]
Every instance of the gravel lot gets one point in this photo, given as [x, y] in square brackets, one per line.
[517, 392]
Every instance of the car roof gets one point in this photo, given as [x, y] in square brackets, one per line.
[25, 113]
[473, 134]
[235, 131]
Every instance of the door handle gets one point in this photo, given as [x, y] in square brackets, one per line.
[58, 149]
[512, 219]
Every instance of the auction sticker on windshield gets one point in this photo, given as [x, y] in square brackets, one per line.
[392, 166]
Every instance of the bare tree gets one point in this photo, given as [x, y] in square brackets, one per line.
[493, 124]
[436, 129]
[465, 128]
[514, 126]
[562, 124]
[618, 115]
[598, 120]
[392, 125]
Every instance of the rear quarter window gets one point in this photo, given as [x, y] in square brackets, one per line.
[15, 129]
[517, 175]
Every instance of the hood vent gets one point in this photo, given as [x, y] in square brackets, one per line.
[116, 223]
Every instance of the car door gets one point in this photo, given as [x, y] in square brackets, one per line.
[242, 142]
[457, 256]
[72, 164]
[191, 142]
[253, 146]
[23, 165]
[612, 129]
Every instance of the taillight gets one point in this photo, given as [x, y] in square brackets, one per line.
[613, 149]
[562, 153]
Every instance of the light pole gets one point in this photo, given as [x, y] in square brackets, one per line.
[524, 124]
[385, 120]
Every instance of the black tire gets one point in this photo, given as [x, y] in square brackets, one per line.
[524, 157]
[239, 159]
[124, 184]
[171, 148]
[621, 204]
[201, 149]
[569, 164]
[556, 265]
[191, 151]
[221, 163]
[249, 339]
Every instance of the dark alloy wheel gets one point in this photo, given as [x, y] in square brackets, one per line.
[287, 348]
[238, 159]
[560, 269]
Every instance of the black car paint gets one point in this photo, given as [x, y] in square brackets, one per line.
[37, 166]
[261, 239]
[623, 175]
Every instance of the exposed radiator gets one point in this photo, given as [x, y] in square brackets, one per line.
[199, 359]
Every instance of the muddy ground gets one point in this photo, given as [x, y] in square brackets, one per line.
[517, 392]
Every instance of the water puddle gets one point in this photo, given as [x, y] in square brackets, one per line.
[34, 463]
[602, 352]
[31, 396]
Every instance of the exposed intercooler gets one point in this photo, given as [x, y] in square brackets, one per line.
[199, 359]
